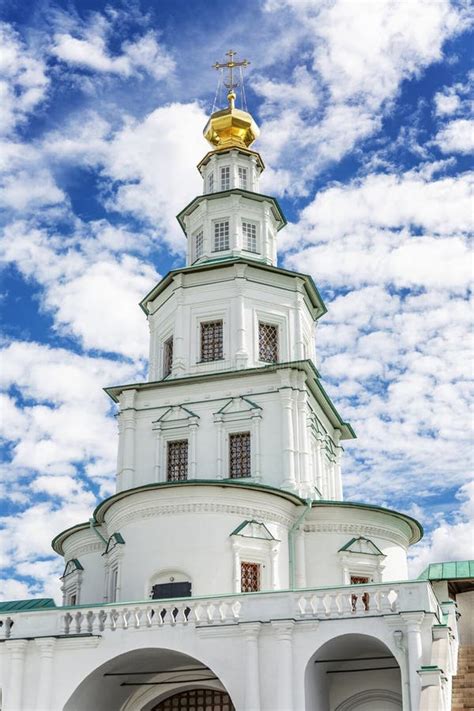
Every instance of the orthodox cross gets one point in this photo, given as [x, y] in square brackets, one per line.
[230, 65]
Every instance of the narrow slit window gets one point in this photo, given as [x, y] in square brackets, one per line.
[243, 178]
[249, 232]
[239, 455]
[225, 178]
[267, 342]
[221, 236]
[177, 461]
[249, 577]
[198, 245]
[167, 357]
[212, 345]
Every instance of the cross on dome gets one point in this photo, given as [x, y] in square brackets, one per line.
[230, 65]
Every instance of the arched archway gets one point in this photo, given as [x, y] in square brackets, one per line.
[195, 700]
[141, 679]
[353, 672]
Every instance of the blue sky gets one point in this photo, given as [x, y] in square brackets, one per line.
[366, 135]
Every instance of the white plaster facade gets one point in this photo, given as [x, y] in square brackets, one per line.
[332, 622]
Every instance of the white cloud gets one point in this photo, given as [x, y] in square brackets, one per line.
[457, 137]
[91, 52]
[92, 292]
[58, 420]
[361, 52]
[438, 547]
[23, 80]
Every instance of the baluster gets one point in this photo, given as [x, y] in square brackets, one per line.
[186, 614]
[197, 610]
[149, 614]
[7, 627]
[108, 621]
[78, 619]
[88, 617]
[236, 606]
[302, 606]
[210, 612]
[95, 622]
[222, 611]
[359, 605]
[162, 616]
[137, 617]
[346, 603]
[337, 604]
[317, 605]
[174, 615]
[66, 623]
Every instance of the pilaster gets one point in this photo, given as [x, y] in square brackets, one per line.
[251, 632]
[413, 622]
[283, 633]
[46, 647]
[14, 693]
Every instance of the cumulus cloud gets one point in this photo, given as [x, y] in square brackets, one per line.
[91, 52]
[457, 137]
[91, 289]
[360, 54]
[23, 79]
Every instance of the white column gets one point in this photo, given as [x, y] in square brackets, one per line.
[305, 456]
[251, 632]
[299, 339]
[119, 484]
[179, 345]
[337, 467]
[287, 438]
[46, 646]
[236, 572]
[219, 448]
[128, 421]
[158, 453]
[283, 632]
[193, 427]
[413, 622]
[241, 356]
[256, 443]
[275, 573]
[14, 690]
[300, 558]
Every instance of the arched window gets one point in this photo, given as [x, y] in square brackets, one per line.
[194, 699]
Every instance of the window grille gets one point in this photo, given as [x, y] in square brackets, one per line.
[239, 455]
[212, 346]
[221, 236]
[365, 597]
[249, 577]
[267, 342]
[198, 245]
[167, 357]
[177, 464]
[249, 231]
[243, 178]
[210, 183]
[197, 700]
[225, 178]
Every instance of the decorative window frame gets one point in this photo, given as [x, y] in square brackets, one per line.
[172, 575]
[279, 320]
[361, 564]
[238, 414]
[164, 336]
[264, 549]
[225, 169]
[202, 314]
[197, 253]
[72, 581]
[113, 571]
[251, 221]
[176, 423]
[214, 222]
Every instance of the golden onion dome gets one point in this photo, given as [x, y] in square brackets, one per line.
[231, 127]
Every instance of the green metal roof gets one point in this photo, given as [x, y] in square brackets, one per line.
[36, 603]
[451, 570]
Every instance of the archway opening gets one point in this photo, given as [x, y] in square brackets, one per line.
[144, 679]
[353, 672]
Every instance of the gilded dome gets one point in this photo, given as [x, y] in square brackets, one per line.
[231, 127]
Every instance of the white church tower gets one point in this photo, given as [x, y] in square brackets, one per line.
[227, 572]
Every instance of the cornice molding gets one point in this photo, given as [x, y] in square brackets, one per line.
[360, 528]
[143, 510]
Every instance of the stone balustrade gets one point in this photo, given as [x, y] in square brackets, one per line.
[322, 603]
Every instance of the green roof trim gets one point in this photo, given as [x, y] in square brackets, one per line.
[450, 570]
[72, 565]
[348, 545]
[259, 197]
[310, 286]
[414, 525]
[308, 366]
[114, 539]
[242, 526]
[37, 603]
